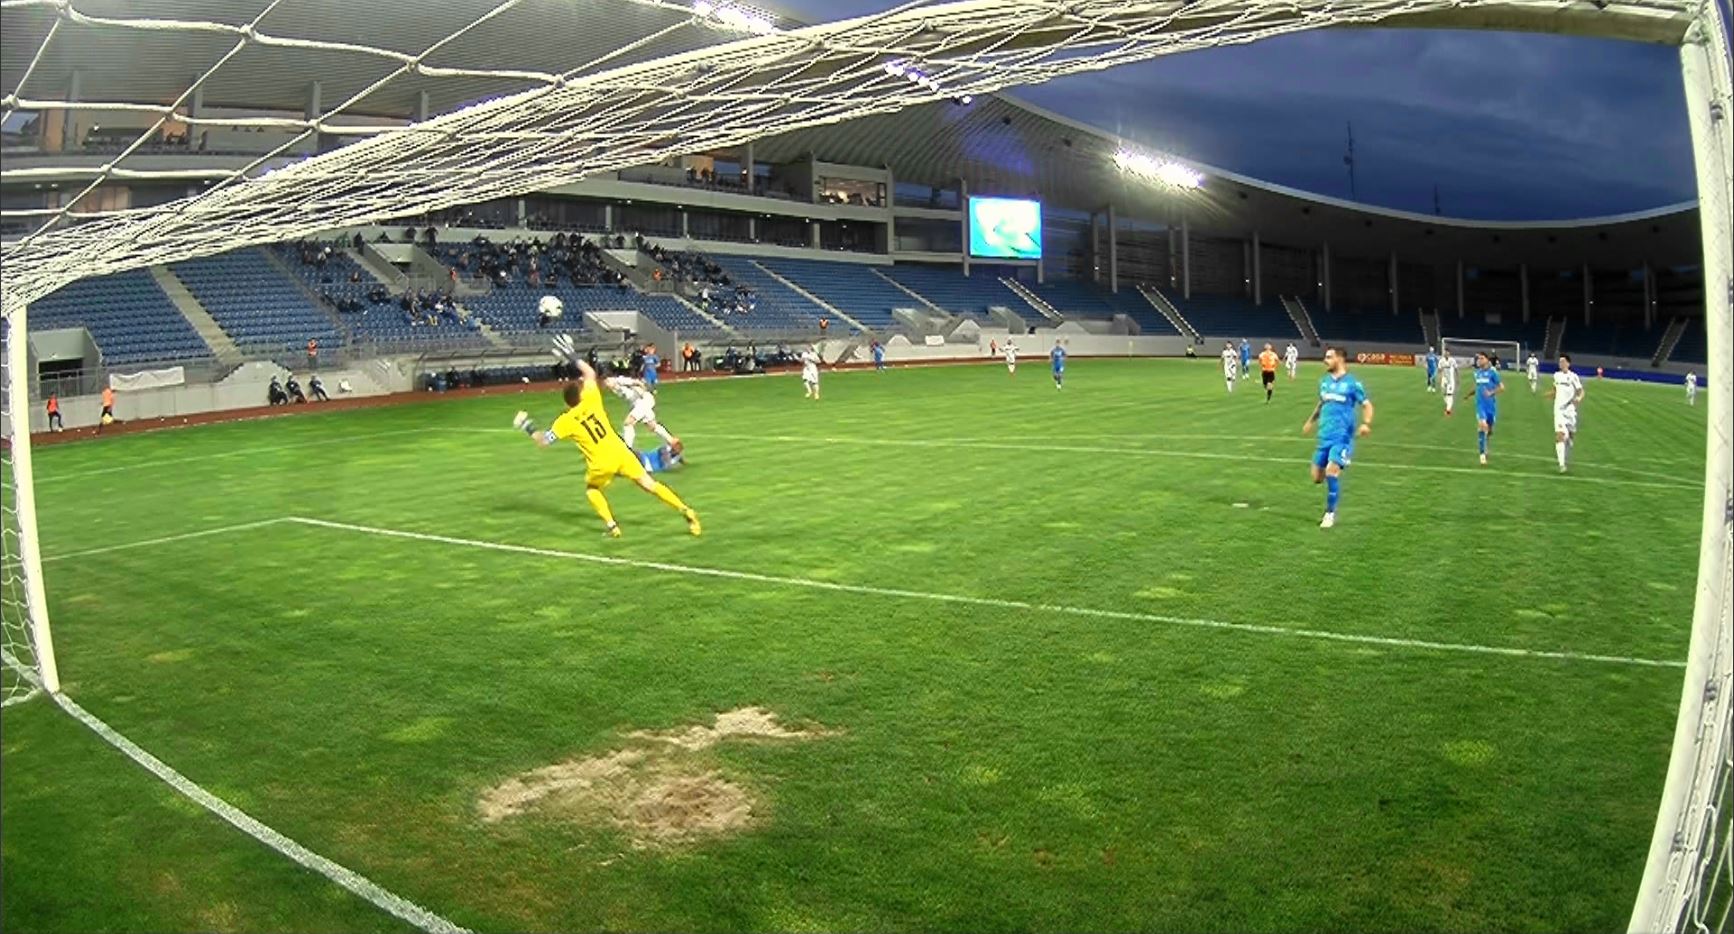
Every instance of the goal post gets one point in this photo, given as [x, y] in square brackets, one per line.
[1508, 353]
[26, 645]
[1688, 882]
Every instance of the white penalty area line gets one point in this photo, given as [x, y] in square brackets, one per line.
[349, 879]
[959, 599]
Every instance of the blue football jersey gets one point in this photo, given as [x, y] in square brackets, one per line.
[1486, 381]
[1339, 397]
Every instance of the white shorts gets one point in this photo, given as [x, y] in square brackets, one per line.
[810, 378]
[1565, 420]
[643, 412]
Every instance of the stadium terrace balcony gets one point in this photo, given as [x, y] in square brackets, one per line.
[1233, 315]
[127, 314]
[856, 289]
[259, 307]
[974, 294]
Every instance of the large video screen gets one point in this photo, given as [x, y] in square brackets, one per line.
[1005, 228]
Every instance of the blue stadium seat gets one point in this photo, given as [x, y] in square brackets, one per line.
[129, 316]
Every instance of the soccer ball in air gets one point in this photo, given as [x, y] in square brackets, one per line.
[551, 306]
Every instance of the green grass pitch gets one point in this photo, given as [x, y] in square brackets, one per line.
[993, 604]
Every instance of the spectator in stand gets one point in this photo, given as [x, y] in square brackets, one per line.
[107, 416]
[312, 353]
[317, 388]
[54, 421]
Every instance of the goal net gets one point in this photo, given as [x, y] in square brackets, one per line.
[26, 651]
[1509, 354]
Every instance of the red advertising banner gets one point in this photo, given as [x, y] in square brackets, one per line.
[1389, 359]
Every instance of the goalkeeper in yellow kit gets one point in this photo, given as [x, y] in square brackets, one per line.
[585, 423]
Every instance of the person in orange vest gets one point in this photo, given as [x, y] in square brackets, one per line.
[107, 416]
[54, 421]
[312, 352]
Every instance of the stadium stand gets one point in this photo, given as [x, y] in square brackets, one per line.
[1626, 337]
[949, 289]
[1530, 334]
[854, 288]
[1074, 299]
[364, 305]
[1348, 327]
[1128, 302]
[254, 303]
[1694, 344]
[128, 316]
[1234, 315]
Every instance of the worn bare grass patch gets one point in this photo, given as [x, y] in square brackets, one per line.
[658, 789]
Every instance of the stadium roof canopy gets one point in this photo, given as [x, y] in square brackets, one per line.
[523, 95]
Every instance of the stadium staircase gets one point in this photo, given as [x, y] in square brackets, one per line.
[693, 307]
[275, 258]
[1032, 299]
[207, 327]
[912, 293]
[1170, 311]
[1302, 320]
[1550, 344]
[1670, 339]
[795, 287]
[1431, 332]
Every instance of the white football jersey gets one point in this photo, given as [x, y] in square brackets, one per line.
[810, 365]
[1534, 366]
[1291, 354]
[1011, 353]
[1448, 374]
[1566, 386]
[1230, 361]
[1692, 380]
[629, 389]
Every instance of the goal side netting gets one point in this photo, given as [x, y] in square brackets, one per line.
[1688, 882]
[1508, 353]
[26, 648]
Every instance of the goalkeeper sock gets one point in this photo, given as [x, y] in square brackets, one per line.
[1333, 491]
[599, 503]
[662, 492]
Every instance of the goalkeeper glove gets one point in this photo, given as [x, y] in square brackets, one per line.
[522, 422]
[565, 348]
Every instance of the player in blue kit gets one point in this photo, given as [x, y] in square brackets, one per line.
[1487, 389]
[1245, 357]
[651, 362]
[667, 457]
[1340, 394]
[1432, 371]
[1058, 356]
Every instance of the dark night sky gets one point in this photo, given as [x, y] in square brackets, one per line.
[1509, 126]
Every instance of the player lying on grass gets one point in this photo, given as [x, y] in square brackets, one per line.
[667, 457]
[585, 423]
[1340, 394]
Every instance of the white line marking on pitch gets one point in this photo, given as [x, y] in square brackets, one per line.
[1195, 455]
[349, 879]
[164, 540]
[991, 602]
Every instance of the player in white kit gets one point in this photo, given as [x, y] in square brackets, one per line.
[1011, 358]
[1230, 364]
[810, 372]
[642, 412]
[1567, 392]
[1291, 358]
[1692, 388]
[1532, 368]
[1448, 381]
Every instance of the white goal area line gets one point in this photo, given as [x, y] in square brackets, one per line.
[991, 602]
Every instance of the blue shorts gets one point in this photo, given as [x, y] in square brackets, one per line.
[650, 377]
[1485, 414]
[1337, 451]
